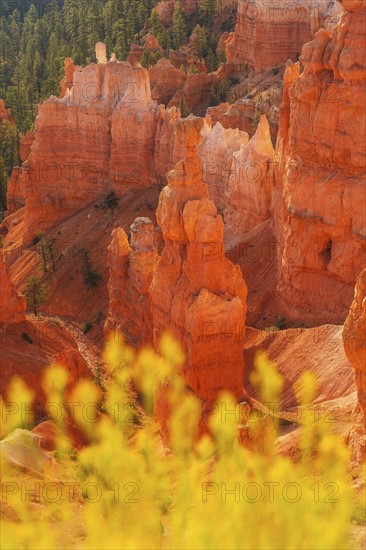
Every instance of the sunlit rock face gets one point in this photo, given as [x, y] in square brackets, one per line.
[320, 194]
[131, 267]
[13, 305]
[104, 133]
[196, 293]
[216, 150]
[268, 32]
[99, 136]
[354, 338]
[249, 190]
[238, 173]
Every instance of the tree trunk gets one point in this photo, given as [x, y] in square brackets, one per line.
[44, 258]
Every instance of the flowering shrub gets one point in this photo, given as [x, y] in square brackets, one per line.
[125, 489]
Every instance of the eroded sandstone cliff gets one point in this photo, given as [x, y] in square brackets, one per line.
[354, 338]
[131, 264]
[99, 136]
[320, 197]
[267, 32]
[197, 294]
[13, 305]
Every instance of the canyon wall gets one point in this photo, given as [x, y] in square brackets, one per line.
[239, 173]
[131, 267]
[354, 338]
[13, 304]
[99, 136]
[196, 293]
[267, 32]
[104, 133]
[320, 196]
[236, 115]
[14, 189]
[216, 150]
[249, 189]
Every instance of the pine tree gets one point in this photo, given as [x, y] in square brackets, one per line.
[184, 108]
[35, 293]
[9, 145]
[14, 30]
[179, 26]
[3, 186]
[200, 43]
[93, 24]
[211, 61]
[209, 10]
[53, 68]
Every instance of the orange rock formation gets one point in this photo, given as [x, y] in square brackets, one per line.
[197, 294]
[237, 115]
[249, 189]
[13, 305]
[14, 189]
[354, 338]
[216, 152]
[67, 81]
[78, 142]
[267, 33]
[320, 197]
[131, 267]
[30, 346]
[165, 80]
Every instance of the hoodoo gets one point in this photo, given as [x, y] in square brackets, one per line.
[354, 338]
[131, 264]
[196, 292]
[186, 217]
[320, 198]
[267, 33]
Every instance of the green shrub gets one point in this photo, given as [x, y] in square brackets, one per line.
[26, 337]
[91, 277]
[35, 293]
[86, 327]
[111, 200]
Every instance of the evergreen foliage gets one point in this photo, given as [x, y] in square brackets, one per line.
[35, 293]
[36, 38]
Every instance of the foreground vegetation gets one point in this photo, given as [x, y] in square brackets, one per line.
[125, 489]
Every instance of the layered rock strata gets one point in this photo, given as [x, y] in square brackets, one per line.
[354, 338]
[320, 196]
[267, 33]
[131, 264]
[196, 293]
[13, 304]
